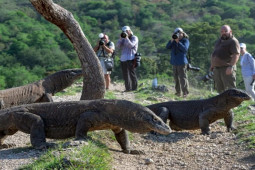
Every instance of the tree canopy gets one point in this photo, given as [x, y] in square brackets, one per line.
[33, 47]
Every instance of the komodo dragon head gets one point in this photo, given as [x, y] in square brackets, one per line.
[135, 117]
[234, 97]
[61, 80]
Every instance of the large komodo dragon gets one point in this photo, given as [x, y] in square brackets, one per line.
[195, 114]
[62, 120]
[40, 91]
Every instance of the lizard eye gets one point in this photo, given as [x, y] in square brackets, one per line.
[154, 119]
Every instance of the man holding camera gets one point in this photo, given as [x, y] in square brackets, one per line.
[223, 60]
[128, 43]
[179, 45]
[104, 50]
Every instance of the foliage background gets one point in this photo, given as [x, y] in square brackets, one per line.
[31, 47]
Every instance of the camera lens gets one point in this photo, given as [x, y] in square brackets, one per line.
[101, 42]
[123, 34]
[207, 77]
[175, 36]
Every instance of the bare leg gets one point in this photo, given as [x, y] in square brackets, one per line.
[1, 104]
[107, 80]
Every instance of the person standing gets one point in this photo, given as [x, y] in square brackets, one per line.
[248, 70]
[223, 60]
[128, 43]
[104, 49]
[179, 45]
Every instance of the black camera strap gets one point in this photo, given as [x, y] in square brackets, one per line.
[189, 60]
[103, 52]
[108, 45]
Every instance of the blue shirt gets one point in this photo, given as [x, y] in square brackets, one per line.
[247, 65]
[129, 47]
[178, 51]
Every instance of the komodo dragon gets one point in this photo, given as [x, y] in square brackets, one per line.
[40, 91]
[61, 120]
[195, 114]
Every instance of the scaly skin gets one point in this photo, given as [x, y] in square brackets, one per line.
[74, 119]
[40, 91]
[195, 114]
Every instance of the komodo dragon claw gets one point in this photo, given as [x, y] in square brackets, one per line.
[9, 145]
[134, 152]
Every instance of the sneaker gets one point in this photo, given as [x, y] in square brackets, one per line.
[185, 95]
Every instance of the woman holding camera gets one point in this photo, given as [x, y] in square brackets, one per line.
[128, 43]
[104, 49]
[179, 45]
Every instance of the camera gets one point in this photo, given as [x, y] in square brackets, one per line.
[176, 35]
[207, 77]
[190, 67]
[137, 60]
[123, 34]
[101, 42]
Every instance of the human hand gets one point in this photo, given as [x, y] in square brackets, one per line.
[176, 40]
[211, 68]
[229, 70]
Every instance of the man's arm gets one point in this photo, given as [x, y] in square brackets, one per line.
[96, 48]
[234, 59]
[108, 49]
[183, 45]
[169, 44]
[131, 43]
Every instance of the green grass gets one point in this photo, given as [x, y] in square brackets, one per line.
[72, 90]
[95, 155]
[110, 95]
[245, 124]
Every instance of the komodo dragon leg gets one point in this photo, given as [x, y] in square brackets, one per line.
[122, 137]
[3, 135]
[33, 125]
[229, 121]
[204, 123]
[163, 113]
[46, 98]
[92, 119]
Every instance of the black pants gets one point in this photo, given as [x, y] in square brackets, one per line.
[129, 75]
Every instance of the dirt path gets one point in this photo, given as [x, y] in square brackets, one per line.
[179, 150]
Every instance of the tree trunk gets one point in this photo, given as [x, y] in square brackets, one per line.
[93, 81]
